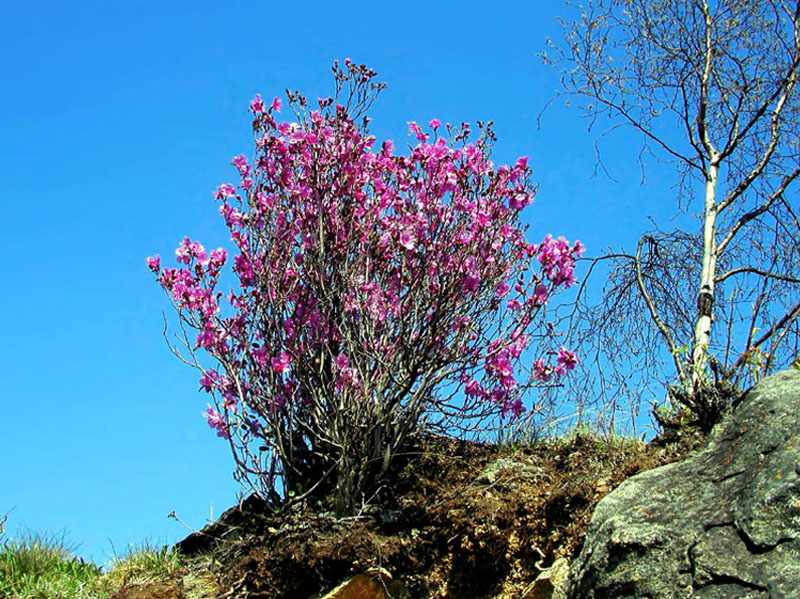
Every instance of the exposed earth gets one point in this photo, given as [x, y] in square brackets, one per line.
[459, 520]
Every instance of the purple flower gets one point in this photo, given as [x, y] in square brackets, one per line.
[257, 105]
[514, 407]
[541, 371]
[226, 190]
[567, 360]
[218, 257]
[154, 263]
[260, 356]
[240, 162]
[208, 380]
[407, 239]
[473, 389]
[282, 362]
[216, 421]
[341, 361]
[539, 296]
[471, 283]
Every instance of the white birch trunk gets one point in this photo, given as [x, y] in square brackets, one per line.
[705, 295]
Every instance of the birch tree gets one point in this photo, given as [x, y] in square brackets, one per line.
[711, 86]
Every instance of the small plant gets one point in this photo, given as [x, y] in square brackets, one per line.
[757, 362]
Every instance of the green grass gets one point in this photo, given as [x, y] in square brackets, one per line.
[39, 566]
[146, 563]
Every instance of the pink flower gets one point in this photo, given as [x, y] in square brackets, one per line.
[282, 362]
[541, 371]
[230, 401]
[508, 382]
[341, 361]
[218, 257]
[435, 123]
[417, 131]
[473, 389]
[226, 190]
[208, 380]
[259, 354]
[407, 239]
[482, 219]
[516, 348]
[216, 421]
[188, 249]
[518, 201]
[503, 365]
[539, 297]
[471, 283]
[257, 105]
[154, 263]
[207, 338]
[276, 105]
[243, 268]
[240, 162]
[567, 360]
[514, 407]
[464, 237]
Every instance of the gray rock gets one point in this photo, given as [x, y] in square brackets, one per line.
[724, 524]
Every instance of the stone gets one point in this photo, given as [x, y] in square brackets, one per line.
[724, 524]
[372, 584]
[551, 583]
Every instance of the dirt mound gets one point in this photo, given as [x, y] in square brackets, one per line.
[456, 519]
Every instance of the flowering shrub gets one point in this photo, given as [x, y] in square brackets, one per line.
[379, 294]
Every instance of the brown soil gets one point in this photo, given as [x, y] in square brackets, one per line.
[440, 527]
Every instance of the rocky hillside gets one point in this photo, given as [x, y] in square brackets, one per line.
[458, 520]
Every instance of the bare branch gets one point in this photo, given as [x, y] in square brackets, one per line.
[756, 271]
[784, 322]
[752, 214]
[663, 329]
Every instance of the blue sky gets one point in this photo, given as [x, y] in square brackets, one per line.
[120, 119]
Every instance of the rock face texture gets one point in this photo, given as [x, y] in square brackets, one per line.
[724, 524]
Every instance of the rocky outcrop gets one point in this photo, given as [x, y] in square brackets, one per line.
[722, 524]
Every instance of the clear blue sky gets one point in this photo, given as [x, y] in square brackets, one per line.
[118, 121]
